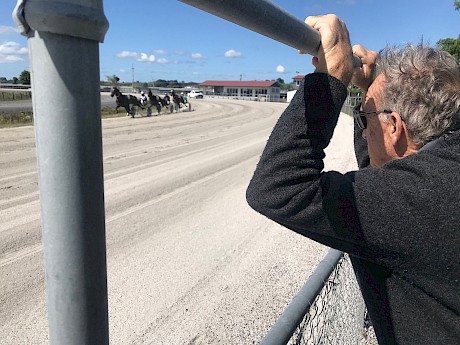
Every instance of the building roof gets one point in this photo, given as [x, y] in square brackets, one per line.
[299, 76]
[239, 83]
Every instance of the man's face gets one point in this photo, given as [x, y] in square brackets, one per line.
[376, 133]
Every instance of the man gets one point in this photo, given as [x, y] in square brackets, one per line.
[399, 217]
[143, 99]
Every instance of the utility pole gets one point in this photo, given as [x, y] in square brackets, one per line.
[132, 68]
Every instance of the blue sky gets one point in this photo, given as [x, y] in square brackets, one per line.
[167, 39]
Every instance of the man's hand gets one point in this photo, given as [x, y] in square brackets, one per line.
[335, 53]
[364, 76]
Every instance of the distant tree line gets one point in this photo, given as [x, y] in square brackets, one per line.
[451, 45]
[113, 80]
[24, 78]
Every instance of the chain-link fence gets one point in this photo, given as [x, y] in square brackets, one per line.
[337, 315]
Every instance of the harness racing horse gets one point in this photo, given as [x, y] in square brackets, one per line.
[124, 101]
[166, 100]
[177, 99]
[156, 101]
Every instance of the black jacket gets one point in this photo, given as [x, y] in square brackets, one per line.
[399, 223]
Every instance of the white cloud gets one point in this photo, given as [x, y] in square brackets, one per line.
[6, 30]
[198, 56]
[10, 52]
[126, 54]
[10, 58]
[162, 60]
[146, 58]
[232, 53]
[160, 52]
[143, 57]
[280, 69]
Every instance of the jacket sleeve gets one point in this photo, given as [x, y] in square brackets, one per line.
[288, 185]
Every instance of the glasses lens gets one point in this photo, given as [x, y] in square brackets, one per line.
[362, 121]
[360, 118]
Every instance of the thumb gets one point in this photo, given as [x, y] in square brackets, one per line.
[314, 61]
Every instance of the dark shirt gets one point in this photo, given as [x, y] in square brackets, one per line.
[399, 223]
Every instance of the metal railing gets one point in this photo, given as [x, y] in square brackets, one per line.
[328, 309]
[258, 98]
[350, 103]
[15, 95]
[63, 39]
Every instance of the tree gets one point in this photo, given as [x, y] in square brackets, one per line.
[24, 77]
[457, 5]
[113, 80]
[161, 83]
[451, 45]
[15, 80]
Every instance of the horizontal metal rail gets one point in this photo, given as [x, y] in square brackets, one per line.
[268, 19]
[286, 325]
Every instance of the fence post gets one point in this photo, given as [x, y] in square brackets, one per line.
[63, 39]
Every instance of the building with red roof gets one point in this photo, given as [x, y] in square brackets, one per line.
[247, 89]
[297, 80]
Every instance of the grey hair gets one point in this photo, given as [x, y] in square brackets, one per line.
[422, 84]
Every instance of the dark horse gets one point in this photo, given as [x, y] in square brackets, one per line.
[124, 101]
[177, 99]
[156, 101]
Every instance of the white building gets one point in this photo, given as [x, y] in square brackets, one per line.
[268, 90]
[297, 80]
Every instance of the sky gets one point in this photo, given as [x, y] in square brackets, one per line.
[167, 39]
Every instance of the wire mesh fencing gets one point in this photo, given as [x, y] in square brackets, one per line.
[329, 309]
[338, 314]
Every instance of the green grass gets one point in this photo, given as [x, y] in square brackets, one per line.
[22, 118]
[25, 118]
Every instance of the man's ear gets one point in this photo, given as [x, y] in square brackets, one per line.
[399, 137]
[396, 129]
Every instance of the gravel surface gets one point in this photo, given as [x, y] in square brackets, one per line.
[188, 261]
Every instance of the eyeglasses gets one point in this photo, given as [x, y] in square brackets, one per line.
[360, 116]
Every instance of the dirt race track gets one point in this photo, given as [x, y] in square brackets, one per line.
[188, 261]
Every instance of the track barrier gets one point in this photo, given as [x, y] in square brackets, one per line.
[328, 309]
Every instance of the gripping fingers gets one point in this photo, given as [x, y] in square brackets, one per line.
[368, 57]
[363, 76]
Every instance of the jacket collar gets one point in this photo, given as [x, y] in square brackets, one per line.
[439, 142]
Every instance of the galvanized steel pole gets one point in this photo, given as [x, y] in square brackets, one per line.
[63, 39]
[268, 19]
